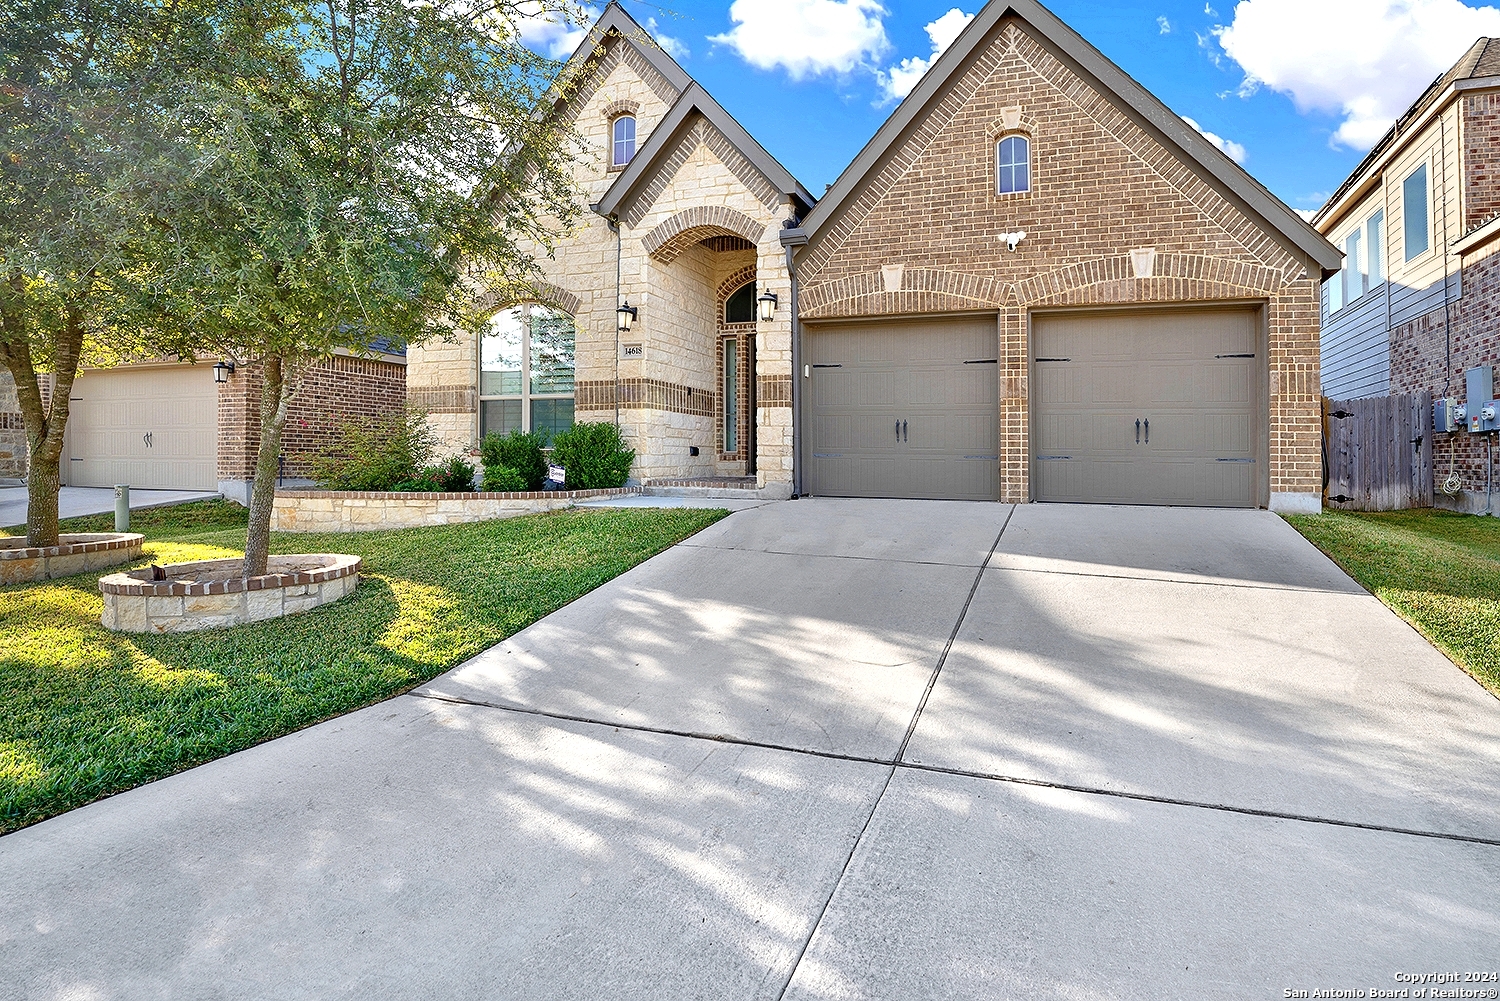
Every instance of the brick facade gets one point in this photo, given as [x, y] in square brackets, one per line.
[329, 395]
[1480, 127]
[1419, 362]
[1102, 186]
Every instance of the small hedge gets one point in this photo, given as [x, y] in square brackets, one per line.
[454, 476]
[377, 453]
[503, 479]
[519, 453]
[594, 455]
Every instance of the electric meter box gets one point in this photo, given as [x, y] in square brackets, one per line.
[1446, 415]
[1480, 383]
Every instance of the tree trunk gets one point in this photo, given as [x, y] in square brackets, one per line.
[45, 424]
[275, 394]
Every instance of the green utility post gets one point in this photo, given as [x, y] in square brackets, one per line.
[122, 507]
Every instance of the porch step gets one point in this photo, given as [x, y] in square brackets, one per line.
[727, 487]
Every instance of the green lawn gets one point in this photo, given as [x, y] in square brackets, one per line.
[85, 712]
[1439, 571]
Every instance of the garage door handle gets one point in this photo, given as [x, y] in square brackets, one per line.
[1137, 430]
[905, 434]
[1148, 430]
[898, 429]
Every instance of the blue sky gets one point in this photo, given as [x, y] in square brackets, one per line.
[1296, 89]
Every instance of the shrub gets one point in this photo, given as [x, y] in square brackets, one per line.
[521, 452]
[503, 478]
[594, 456]
[454, 476]
[376, 453]
[457, 474]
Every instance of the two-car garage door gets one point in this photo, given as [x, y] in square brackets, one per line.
[1142, 406]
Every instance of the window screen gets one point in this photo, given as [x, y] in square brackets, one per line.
[1375, 248]
[624, 140]
[1014, 157]
[1414, 212]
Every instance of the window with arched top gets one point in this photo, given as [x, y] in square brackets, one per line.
[740, 306]
[1013, 165]
[622, 134]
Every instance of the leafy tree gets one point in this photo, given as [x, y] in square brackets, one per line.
[376, 169]
[84, 153]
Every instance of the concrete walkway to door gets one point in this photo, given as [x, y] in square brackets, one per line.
[835, 749]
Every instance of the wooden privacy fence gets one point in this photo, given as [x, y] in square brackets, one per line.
[1377, 453]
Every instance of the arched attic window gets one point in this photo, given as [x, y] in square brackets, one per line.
[740, 306]
[1013, 165]
[622, 136]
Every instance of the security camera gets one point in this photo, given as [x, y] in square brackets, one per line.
[1012, 239]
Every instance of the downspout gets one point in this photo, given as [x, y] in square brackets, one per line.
[792, 237]
[1447, 299]
[613, 222]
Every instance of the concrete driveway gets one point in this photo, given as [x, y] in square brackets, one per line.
[835, 749]
[74, 502]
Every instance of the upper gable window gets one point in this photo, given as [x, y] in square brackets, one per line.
[1013, 157]
[622, 133]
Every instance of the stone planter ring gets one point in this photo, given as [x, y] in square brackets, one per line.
[210, 594]
[23, 564]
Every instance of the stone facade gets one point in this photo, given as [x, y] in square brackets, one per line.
[922, 235]
[703, 222]
[356, 511]
[329, 395]
[13, 448]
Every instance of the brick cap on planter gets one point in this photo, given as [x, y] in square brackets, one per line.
[455, 495]
[15, 548]
[138, 582]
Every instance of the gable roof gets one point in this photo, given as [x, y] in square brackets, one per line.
[615, 20]
[1480, 62]
[664, 139]
[1110, 80]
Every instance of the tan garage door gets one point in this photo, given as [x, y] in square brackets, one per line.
[148, 427]
[905, 409]
[1148, 407]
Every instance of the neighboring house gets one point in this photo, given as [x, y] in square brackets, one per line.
[1418, 300]
[1152, 338]
[169, 425]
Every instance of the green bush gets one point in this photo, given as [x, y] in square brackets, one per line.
[457, 474]
[594, 456]
[521, 452]
[376, 453]
[503, 478]
[454, 476]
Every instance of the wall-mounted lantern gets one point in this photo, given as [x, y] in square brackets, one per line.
[767, 300]
[222, 371]
[624, 317]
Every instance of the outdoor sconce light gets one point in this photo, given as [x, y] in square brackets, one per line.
[222, 371]
[767, 300]
[624, 317]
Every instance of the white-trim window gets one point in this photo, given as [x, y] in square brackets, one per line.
[1013, 165]
[1417, 233]
[1375, 249]
[526, 367]
[1355, 280]
[622, 138]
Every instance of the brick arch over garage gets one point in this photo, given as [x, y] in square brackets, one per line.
[543, 292]
[667, 241]
[1174, 278]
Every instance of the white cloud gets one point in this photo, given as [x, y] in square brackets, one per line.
[898, 81]
[806, 37]
[1306, 214]
[1163, 26]
[548, 33]
[1231, 149]
[671, 46]
[1365, 60]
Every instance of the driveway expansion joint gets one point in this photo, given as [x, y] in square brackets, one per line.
[916, 766]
